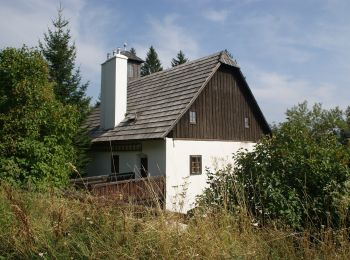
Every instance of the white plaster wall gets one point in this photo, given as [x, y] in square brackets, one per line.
[113, 91]
[181, 187]
[130, 161]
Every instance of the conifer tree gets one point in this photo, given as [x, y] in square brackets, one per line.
[60, 54]
[180, 59]
[133, 51]
[152, 63]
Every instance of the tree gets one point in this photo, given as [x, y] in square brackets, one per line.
[297, 177]
[180, 59]
[152, 63]
[60, 54]
[133, 51]
[36, 130]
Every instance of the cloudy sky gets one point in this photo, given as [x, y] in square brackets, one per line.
[289, 50]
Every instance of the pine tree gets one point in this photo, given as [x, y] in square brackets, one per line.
[152, 63]
[180, 59]
[133, 51]
[60, 54]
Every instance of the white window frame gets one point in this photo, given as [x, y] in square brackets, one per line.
[193, 117]
[246, 122]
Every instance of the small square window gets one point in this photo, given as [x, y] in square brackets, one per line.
[195, 164]
[246, 122]
[192, 117]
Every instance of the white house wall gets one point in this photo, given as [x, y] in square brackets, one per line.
[130, 161]
[181, 187]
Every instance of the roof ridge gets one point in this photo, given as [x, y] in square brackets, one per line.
[181, 65]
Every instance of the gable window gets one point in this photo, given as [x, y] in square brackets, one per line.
[195, 164]
[246, 122]
[193, 117]
[115, 164]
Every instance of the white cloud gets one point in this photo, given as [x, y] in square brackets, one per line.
[25, 22]
[216, 15]
[168, 37]
[276, 92]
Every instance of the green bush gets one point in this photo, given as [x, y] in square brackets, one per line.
[297, 176]
[36, 130]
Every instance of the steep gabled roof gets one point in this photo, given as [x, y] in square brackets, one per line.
[156, 102]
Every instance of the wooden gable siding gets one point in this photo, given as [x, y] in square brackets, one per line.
[221, 109]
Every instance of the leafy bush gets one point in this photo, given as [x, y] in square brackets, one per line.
[297, 176]
[36, 131]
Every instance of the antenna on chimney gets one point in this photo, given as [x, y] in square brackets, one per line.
[125, 44]
[108, 55]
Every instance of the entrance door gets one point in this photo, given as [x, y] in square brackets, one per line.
[144, 167]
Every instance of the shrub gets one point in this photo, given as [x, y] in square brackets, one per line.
[297, 176]
[36, 131]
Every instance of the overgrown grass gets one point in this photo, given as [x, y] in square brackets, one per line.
[52, 225]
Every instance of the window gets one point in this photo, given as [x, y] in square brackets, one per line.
[195, 164]
[246, 122]
[115, 164]
[130, 70]
[192, 117]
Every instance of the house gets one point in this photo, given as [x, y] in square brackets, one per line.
[174, 123]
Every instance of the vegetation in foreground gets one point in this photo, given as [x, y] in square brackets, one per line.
[52, 225]
[299, 176]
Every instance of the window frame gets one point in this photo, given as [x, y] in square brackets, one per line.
[196, 159]
[193, 117]
[130, 70]
[246, 122]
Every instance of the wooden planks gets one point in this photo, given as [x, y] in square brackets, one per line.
[138, 191]
[221, 109]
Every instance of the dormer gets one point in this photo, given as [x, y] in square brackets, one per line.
[134, 65]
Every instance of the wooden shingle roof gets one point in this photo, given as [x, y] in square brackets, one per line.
[131, 56]
[157, 101]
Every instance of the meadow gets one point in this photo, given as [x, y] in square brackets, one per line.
[75, 225]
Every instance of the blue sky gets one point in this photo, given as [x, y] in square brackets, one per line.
[289, 50]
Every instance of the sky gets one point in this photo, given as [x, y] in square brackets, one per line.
[288, 50]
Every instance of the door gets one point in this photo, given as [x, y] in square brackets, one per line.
[144, 167]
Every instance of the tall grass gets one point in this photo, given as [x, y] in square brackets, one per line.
[55, 225]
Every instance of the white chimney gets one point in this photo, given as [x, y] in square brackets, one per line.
[113, 90]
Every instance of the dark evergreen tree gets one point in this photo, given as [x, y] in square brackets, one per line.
[133, 51]
[60, 54]
[152, 63]
[180, 59]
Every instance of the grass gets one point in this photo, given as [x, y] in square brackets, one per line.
[53, 225]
